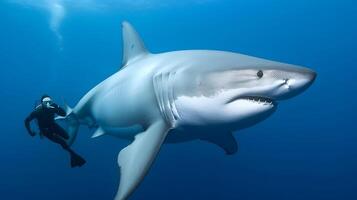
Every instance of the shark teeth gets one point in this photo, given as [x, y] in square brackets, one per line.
[259, 100]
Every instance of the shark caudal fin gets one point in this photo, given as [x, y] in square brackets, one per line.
[72, 123]
[133, 45]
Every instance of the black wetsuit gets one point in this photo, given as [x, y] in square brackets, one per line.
[47, 125]
[50, 129]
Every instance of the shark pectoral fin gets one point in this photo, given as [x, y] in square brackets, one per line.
[98, 132]
[226, 141]
[135, 160]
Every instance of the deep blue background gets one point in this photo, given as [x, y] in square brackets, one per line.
[306, 150]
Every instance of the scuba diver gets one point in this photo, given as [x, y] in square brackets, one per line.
[44, 114]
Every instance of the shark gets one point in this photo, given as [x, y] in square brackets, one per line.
[180, 96]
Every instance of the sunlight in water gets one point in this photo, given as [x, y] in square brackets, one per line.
[58, 8]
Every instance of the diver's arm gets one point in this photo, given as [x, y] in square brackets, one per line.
[27, 123]
[59, 110]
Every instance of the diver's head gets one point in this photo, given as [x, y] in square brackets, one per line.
[46, 101]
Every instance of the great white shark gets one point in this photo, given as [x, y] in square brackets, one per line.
[181, 96]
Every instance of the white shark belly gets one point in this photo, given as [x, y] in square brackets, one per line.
[124, 107]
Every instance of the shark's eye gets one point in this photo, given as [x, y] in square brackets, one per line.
[260, 73]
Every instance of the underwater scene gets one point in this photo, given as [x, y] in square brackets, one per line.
[165, 99]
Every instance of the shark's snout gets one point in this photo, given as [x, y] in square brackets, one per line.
[307, 78]
[296, 82]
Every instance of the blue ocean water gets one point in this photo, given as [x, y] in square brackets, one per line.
[306, 150]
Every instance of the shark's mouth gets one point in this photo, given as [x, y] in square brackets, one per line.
[256, 99]
[259, 100]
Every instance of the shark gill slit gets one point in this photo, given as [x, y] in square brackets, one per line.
[158, 90]
[164, 97]
[163, 85]
[169, 99]
[166, 100]
[172, 96]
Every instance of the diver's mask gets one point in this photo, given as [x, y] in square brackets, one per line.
[47, 102]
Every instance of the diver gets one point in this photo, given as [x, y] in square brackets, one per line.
[44, 113]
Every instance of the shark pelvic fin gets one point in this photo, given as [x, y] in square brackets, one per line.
[99, 132]
[133, 46]
[224, 140]
[135, 160]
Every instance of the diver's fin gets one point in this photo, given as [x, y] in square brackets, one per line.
[133, 46]
[77, 160]
[135, 160]
[98, 132]
[224, 140]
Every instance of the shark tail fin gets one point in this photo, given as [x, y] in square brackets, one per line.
[72, 123]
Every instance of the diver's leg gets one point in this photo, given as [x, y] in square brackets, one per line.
[58, 135]
[76, 160]
[59, 140]
[60, 131]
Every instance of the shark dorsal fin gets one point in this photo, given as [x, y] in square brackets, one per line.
[133, 46]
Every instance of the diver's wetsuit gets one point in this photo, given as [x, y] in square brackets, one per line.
[51, 130]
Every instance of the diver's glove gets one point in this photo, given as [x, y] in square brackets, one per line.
[32, 133]
[51, 105]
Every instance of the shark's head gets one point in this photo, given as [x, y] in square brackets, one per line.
[240, 90]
